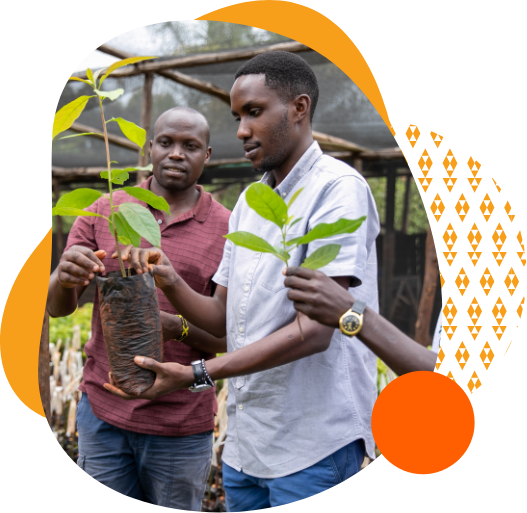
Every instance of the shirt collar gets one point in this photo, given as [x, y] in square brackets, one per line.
[199, 211]
[300, 169]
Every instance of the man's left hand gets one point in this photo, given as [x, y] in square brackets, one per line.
[170, 377]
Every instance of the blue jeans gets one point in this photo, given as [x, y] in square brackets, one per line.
[247, 493]
[169, 471]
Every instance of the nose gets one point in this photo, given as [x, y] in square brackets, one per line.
[244, 130]
[177, 153]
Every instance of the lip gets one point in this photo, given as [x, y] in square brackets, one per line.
[174, 170]
[250, 150]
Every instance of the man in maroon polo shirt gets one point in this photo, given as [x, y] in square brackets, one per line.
[156, 451]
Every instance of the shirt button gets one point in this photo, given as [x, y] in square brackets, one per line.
[159, 221]
[246, 288]
[240, 407]
[240, 329]
[284, 194]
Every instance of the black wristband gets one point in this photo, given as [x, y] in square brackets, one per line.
[207, 377]
[199, 376]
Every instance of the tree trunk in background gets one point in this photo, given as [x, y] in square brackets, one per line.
[146, 120]
[43, 368]
[426, 305]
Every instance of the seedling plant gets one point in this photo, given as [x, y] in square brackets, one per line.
[265, 202]
[128, 222]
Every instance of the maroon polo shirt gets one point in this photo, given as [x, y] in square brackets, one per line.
[194, 244]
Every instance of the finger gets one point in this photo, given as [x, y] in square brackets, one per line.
[301, 272]
[303, 308]
[67, 278]
[84, 258]
[118, 392]
[295, 282]
[125, 252]
[148, 363]
[149, 256]
[297, 295]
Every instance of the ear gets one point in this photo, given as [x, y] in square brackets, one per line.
[302, 107]
[208, 154]
[151, 142]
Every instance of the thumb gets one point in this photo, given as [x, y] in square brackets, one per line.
[148, 363]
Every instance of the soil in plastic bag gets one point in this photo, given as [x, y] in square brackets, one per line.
[131, 326]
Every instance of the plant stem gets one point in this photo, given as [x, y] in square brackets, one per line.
[112, 213]
[284, 233]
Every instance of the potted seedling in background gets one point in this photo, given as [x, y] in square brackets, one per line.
[128, 304]
[269, 205]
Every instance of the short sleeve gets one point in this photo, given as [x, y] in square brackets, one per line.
[348, 197]
[82, 232]
[221, 277]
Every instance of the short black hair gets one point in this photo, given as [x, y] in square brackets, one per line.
[185, 109]
[287, 73]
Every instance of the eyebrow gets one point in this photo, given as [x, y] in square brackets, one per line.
[247, 105]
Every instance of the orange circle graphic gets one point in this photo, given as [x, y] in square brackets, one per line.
[423, 422]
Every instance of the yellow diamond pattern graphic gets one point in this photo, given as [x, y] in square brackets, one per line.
[462, 356]
[462, 281]
[511, 281]
[474, 382]
[449, 237]
[474, 331]
[449, 163]
[450, 182]
[442, 279]
[508, 210]
[520, 308]
[499, 311]
[497, 186]
[487, 281]
[451, 376]
[486, 355]
[413, 134]
[474, 166]
[449, 330]
[474, 237]
[474, 183]
[474, 311]
[499, 256]
[474, 257]
[521, 254]
[440, 358]
[436, 138]
[425, 183]
[425, 163]
[499, 330]
[486, 207]
[499, 237]
[462, 207]
[450, 311]
[437, 207]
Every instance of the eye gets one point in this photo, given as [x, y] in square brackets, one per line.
[236, 120]
[164, 142]
[255, 112]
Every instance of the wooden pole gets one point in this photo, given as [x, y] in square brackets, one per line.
[426, 304]
[388, 249]
[406, 209]
[146, 120]
[43, 368]
[59, 236]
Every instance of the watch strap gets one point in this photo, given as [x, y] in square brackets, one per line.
[199, 376]
[358, 307]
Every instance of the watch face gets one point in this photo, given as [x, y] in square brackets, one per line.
[351, 323]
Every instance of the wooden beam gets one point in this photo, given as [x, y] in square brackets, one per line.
[332, 143]
[189, 61]
[176, 76]
[114, 139]
[426, 304]
[146, 120]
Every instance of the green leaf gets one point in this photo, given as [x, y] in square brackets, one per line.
[112, 95]
[79, 198]
[89, 74]
[96, 75]
[295, 195]
[78, 135]
[134, 133]
[321, 257]
[252, 242]
[81, 80]
[119, 176]
[283, 254]
[295, 221]
[148, 197]
[266, 203]
[66, 116]
[142, 221]
[324, 230]
[70, 211]
[123, 240]
[125, 230]
[123, 62]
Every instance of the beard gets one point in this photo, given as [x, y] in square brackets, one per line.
[278, 141]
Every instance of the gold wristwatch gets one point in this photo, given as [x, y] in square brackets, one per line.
[351, 322]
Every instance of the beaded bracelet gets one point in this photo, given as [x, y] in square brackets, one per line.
[184, 328]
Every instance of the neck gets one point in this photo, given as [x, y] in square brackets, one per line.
[299, 149]
[179, 201]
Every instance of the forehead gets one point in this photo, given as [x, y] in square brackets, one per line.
[248, 88]
[181, 124]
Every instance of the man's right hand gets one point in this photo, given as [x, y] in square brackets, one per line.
[78, 266]
[143, 259]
